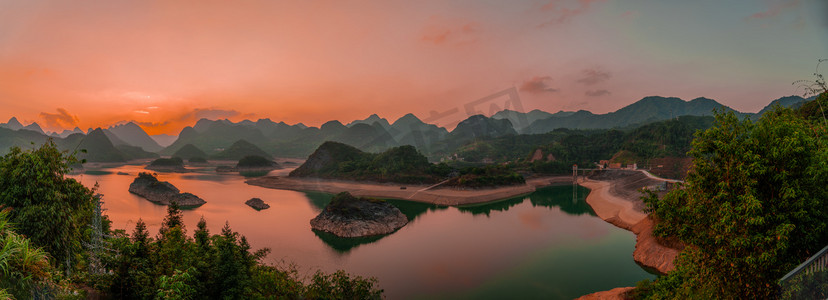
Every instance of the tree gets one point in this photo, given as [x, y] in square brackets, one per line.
[51, 210]
[752, 207]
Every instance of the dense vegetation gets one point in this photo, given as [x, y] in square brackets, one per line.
[253, 161]
[239, 150]
[50, 251]
[167, 162]
[20, 262]
[486, 176]
[189, 151]
[49, 209]
[218, 266]
[339, 161]
[752, 208]
[658, 139]
[346, 205]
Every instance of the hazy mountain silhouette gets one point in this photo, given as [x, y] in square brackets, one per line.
[164, 140]
[647, 110]
[410, 130]
[189, 151]
[97, 145]
[68, 132]
[214, 136]
[34, 127]
[522, 120]
[370, 121]
[12, 124]
[240, 149]
[372, 134]
[134, 135]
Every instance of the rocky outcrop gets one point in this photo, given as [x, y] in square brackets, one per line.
[649, 251]
[257, 204]
[348, 216]
[613, 294]
[162, 192]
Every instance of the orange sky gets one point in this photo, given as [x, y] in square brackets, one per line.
[164, 64]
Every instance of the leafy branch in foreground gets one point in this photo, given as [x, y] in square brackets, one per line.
[752, 208]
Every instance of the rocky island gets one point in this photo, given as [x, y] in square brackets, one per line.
[349, 216]
[175, 164]
[162, 192]
[257, 204]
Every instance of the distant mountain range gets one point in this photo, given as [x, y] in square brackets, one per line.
[223, 139]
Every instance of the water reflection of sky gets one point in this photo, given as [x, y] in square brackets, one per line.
[473, 251]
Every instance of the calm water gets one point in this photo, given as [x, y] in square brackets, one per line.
[545, 245]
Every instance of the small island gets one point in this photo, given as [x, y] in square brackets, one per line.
[257, 204]
[349, 216]
[162, 192]
[175, 164]
[251, 163]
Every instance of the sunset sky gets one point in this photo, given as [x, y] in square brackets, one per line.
[165, 64]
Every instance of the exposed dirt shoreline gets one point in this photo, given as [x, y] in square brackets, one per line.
[420, 193]
[616, 199]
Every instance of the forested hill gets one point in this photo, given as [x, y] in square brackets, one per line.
[335, 160]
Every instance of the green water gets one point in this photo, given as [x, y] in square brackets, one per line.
[546, 245]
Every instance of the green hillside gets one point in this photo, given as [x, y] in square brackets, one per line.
[335, 160]
[189, 151]
[98, 148]
[239, 150]
[135, 152]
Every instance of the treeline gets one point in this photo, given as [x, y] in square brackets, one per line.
[752, 208]
[219, 266]
[402, 164]
[52, 243]
[566, 147]
[486, 176]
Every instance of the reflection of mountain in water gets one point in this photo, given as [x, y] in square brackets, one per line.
[564, 197]
[570, 201]
[487, 208]
[410, 209]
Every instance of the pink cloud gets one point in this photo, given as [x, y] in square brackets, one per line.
[775, 9]
[594, 76]
[561, 13]
[538, 85]
[447, 32]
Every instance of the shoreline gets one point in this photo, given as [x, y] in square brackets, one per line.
[418, 193]
[610, 198]
[625, 213]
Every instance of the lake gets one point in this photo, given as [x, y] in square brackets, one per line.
[546, 245]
